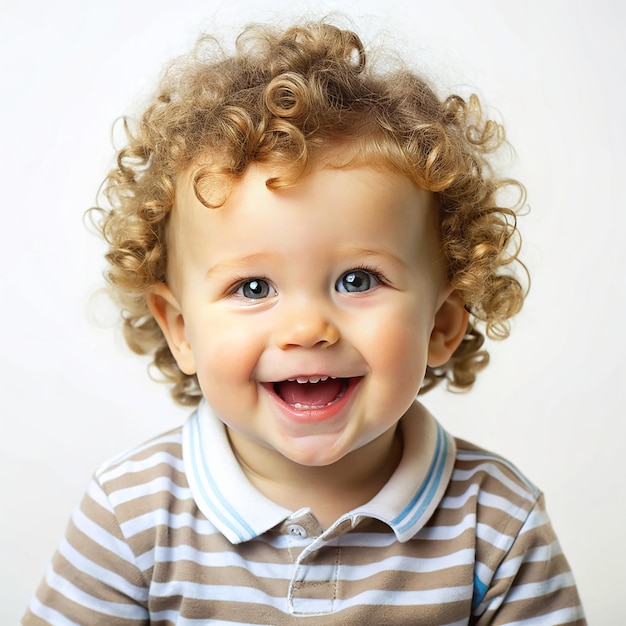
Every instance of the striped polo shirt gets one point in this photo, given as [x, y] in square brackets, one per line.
[172, 532]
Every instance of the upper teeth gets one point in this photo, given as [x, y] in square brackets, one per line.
[310, 379]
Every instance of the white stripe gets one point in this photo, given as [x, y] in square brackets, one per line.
[371, 597]
[484, 573]
[174, 617]
[466, 455]
[542, 588]
[88, 527]
[172, 437]
[51, 616]
[136, 466]
[101, 574]
[502, 504]
[73, 593]
[494, 537]
[279, 571]
[284, 571]
[382, 597]
[163, 517]
[539, 554]
[98, 495]
[536, 518]
[447, 533]
[369, 540]
[485, 498]
[407, 564]
[562, 616]
[146, 560]
[225, 593]
[458, 502]
[510, 567]
[158, 485]
[494, 471]
[543, 553]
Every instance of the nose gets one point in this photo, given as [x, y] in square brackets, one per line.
[306, 327]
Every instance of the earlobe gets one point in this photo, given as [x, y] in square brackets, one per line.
[168, 314]
[448, 331]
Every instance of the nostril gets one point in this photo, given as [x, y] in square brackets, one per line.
[308, 333]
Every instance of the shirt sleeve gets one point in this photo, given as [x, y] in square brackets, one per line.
[533, 584]
[93, 577]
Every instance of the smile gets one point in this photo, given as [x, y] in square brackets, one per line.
[317, 398]
[311, 392]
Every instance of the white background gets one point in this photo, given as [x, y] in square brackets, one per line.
[552, 400]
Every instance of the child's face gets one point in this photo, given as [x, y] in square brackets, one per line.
[306, 312]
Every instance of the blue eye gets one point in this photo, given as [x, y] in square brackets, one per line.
[357, 281]
[254, 289]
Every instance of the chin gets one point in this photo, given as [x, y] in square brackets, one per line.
[312, 458]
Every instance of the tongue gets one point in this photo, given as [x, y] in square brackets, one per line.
[310, 394]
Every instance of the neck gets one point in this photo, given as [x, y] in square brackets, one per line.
[329, 491]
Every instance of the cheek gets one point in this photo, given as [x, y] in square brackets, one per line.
[225, 361]
[225, 353]
[402, 353]
[399, 350]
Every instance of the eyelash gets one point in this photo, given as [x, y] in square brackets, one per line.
[363, 267]
[375, 272]
[240, 281]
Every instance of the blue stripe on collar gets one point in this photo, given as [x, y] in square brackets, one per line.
[208, 488]
[422, 499]
[219, 486]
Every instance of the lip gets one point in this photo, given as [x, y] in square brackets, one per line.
[334, 409]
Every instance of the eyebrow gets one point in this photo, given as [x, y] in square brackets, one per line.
[367, 252]
[235, 265]
[238, 264]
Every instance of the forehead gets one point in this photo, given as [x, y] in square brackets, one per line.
[329, 206]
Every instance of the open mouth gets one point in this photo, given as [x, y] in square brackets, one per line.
[311, 392]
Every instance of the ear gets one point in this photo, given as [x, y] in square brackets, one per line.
[168, 314]
[448, 331]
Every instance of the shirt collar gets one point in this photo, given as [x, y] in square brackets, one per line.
[218, 484]
[240, 512]
[416, 488]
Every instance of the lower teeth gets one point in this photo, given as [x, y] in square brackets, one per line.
[297, 405]
[307, 407]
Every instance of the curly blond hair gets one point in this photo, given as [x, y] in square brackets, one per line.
[283, 97]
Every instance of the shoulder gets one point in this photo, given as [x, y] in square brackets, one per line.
[140, 495]
[519, 569]
[157, 462]
[480, 470]
[490, 496]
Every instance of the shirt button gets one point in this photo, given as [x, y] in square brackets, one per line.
[296, 530]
